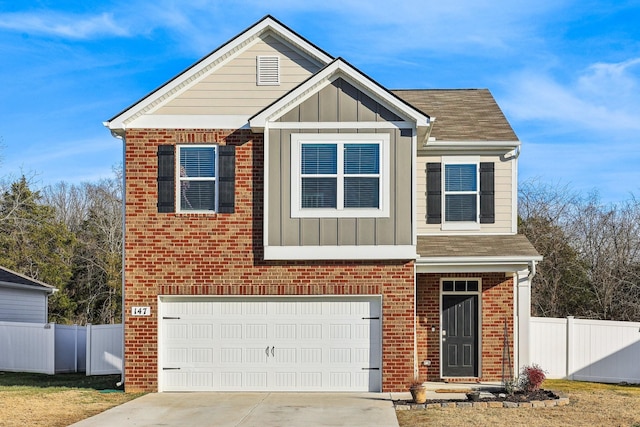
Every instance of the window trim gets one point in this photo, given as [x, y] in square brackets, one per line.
[383, 139]
[180, 179]
[460, 225]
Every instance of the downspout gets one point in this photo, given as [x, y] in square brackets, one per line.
[124, 192]
[532, 270]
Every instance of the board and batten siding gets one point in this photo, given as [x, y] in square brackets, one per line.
[503, 197]
[232, 89]
[23, 305]
[339, 102]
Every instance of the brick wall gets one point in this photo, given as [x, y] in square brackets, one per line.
[222, 254]
[496, 305]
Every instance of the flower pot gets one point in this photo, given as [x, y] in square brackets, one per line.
[419, 393]
[473, 396]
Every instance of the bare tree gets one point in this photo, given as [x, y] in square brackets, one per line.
[591, 250]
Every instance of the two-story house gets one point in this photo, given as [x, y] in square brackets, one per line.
[293, 225]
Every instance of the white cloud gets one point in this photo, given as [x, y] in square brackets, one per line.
[65, 25]
[601, 98]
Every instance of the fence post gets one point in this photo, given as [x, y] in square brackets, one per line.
[51, 338]
[570, 347]
[75, 349]
[88, 351]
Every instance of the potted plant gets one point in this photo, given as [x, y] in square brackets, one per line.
[418, 390]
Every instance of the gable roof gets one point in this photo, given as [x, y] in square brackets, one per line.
[9, 278]
[461, 114]
[339, 68]
[268, 24]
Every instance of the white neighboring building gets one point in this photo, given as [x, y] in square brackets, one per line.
[23, 299]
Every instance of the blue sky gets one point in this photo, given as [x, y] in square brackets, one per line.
[566, 73]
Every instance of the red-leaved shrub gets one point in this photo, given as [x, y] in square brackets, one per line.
[531, 377]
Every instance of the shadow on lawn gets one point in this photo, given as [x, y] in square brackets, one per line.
[25, 379]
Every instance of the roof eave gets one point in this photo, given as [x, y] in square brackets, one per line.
[36, 288]
[471, 145]
[338, 68]
[118, 122]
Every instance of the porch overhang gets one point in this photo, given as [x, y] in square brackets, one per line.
[474, 264]
[480, 253]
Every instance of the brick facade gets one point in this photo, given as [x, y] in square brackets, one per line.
[222, 254]
[496, 308]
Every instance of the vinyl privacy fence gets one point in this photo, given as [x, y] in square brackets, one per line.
[51, 349]
[587, 350]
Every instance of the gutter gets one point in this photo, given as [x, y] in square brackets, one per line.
[121, 137]
[479, 260]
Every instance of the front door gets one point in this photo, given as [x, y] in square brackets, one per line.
[460, 335]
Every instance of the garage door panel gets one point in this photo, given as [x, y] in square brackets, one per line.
[311, 332]
[271, 344]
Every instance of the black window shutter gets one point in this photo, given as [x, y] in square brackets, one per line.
[226, 178]
[166, 178]
[487, 194]
[434, 193]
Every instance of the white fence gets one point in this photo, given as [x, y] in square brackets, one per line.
[586, 350]
[49, 348]
[104, 349]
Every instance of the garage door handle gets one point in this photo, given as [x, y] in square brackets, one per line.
[170, 369]
[266, 350]
[272, 349]
[370, 369]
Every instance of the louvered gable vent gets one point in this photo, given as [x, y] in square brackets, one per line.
[268, 70]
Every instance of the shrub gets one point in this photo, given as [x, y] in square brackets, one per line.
[531, 377]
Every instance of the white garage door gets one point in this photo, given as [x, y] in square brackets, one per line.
[275, 344]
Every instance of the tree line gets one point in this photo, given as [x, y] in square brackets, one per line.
[591, 266]
[70, 236]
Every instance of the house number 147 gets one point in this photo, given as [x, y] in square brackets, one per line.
[141, 311]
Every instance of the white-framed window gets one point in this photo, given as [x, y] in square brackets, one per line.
[197, 178]
[340, 175]
[461, 190]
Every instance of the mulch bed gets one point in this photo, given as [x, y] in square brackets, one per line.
[517, 397]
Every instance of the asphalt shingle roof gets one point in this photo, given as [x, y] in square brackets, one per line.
[461, 114]
[9, 276]
[475, 246]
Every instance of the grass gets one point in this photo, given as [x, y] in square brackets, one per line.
[591, 404]
[56, 400]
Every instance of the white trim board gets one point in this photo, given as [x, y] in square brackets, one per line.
[351, 252]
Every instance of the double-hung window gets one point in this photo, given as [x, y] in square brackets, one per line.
[340, 175]
[461, 191]
[197, 179]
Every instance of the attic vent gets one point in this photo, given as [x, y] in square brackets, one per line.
[268, 70]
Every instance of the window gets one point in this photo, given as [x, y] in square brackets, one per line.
[461, 192]
[197, 183]
[466, 193]
[340, 175]
[460, 285]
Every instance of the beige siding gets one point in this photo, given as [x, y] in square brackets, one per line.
[232, 89]
[503, 197]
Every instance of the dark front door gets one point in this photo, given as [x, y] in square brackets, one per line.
[460, 335]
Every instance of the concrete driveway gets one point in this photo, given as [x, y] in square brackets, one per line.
[250, 409]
